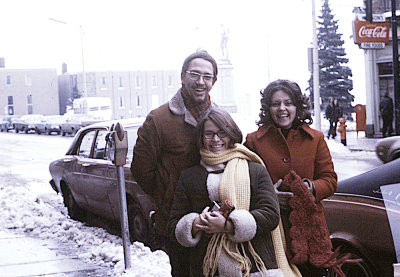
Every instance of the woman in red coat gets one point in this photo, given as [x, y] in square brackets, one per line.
[285, 142]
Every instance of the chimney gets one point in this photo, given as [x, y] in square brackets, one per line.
[64, 68]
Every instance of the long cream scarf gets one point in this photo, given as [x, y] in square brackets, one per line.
[235, 187]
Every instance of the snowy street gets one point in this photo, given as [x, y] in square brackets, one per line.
[31, 207]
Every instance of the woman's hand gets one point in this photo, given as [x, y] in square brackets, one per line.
[212, 222]
[200, 222]
[217, 223]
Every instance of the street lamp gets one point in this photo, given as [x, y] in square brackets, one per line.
[83, 62]
[317, 108]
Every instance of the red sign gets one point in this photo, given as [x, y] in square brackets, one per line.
[365, 31]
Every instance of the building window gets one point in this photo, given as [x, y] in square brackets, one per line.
[121, 102]
[137, 81]
[8, 80]
[28, 80]
[121, 82]
[170, 81]
[10, 107]
[103, 81]
[154, 81]
[138, 101]
[385, 69]
[29, 103]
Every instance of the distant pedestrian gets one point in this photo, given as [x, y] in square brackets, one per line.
[330, 115]
[338, 113]
[386, 109]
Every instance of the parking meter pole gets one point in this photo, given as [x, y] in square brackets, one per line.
[118, 139]
[124, 216]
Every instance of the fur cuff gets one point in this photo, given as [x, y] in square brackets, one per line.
[183, 231]
[244, 224]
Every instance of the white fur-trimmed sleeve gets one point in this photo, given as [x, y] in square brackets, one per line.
[183, 231]
[244, 224]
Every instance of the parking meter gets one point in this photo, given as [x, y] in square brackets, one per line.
[117, 141]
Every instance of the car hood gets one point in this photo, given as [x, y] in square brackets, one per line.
[369, 183]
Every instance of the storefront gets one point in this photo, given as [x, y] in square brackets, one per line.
[375, 39]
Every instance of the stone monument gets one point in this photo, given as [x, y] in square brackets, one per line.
[225, 95]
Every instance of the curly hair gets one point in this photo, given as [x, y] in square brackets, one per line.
[300, 100]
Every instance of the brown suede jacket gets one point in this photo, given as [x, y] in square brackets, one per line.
[165, 146]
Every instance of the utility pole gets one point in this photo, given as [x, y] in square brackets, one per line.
[83, 64]
[317, 107]
[395, 66]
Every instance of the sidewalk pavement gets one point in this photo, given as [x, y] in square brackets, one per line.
[26, 256]
[359, 142]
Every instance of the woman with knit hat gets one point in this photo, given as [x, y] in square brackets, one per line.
[233, 243]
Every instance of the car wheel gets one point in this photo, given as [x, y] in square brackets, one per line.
[360, 269]
[38, 131]
[138, 225]
[17, 130]
[63, 133]
[49, 132]
[74, 211]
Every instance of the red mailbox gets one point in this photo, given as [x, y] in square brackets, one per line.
[361, 116]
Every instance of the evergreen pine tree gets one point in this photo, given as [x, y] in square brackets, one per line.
[334, 76]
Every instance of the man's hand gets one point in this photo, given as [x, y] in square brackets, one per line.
[283, 196]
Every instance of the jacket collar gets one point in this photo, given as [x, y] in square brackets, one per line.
[177, 107]
[303, 128]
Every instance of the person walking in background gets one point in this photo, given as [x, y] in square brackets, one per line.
[166, 145]
[297, 156]
[386, 110]
[238, 242]
[330, 115]
[338, 114]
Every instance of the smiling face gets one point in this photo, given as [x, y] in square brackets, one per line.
[215, 144]
[282, 109]
[198, 89]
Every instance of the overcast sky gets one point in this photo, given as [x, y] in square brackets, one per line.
[267, 39]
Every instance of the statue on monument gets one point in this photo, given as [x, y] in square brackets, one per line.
[224, 42]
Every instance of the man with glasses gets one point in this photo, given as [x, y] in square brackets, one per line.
[166, 145]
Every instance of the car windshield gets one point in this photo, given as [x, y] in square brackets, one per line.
[391, 196]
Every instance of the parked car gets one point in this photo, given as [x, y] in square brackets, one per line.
[40, 126]
[360, 221]
[27, 123]
[87, 179]
[6, 123]
[53, 124]
[388, 149]
[73, 124]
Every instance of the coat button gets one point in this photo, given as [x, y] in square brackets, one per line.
[286, 160]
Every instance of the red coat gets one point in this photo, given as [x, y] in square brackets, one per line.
[305, 151]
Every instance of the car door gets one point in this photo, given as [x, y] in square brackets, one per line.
[95, 170]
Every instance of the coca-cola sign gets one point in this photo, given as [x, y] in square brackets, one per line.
[375, 32]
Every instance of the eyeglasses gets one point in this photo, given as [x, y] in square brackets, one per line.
[211, 134]
[194, 76]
